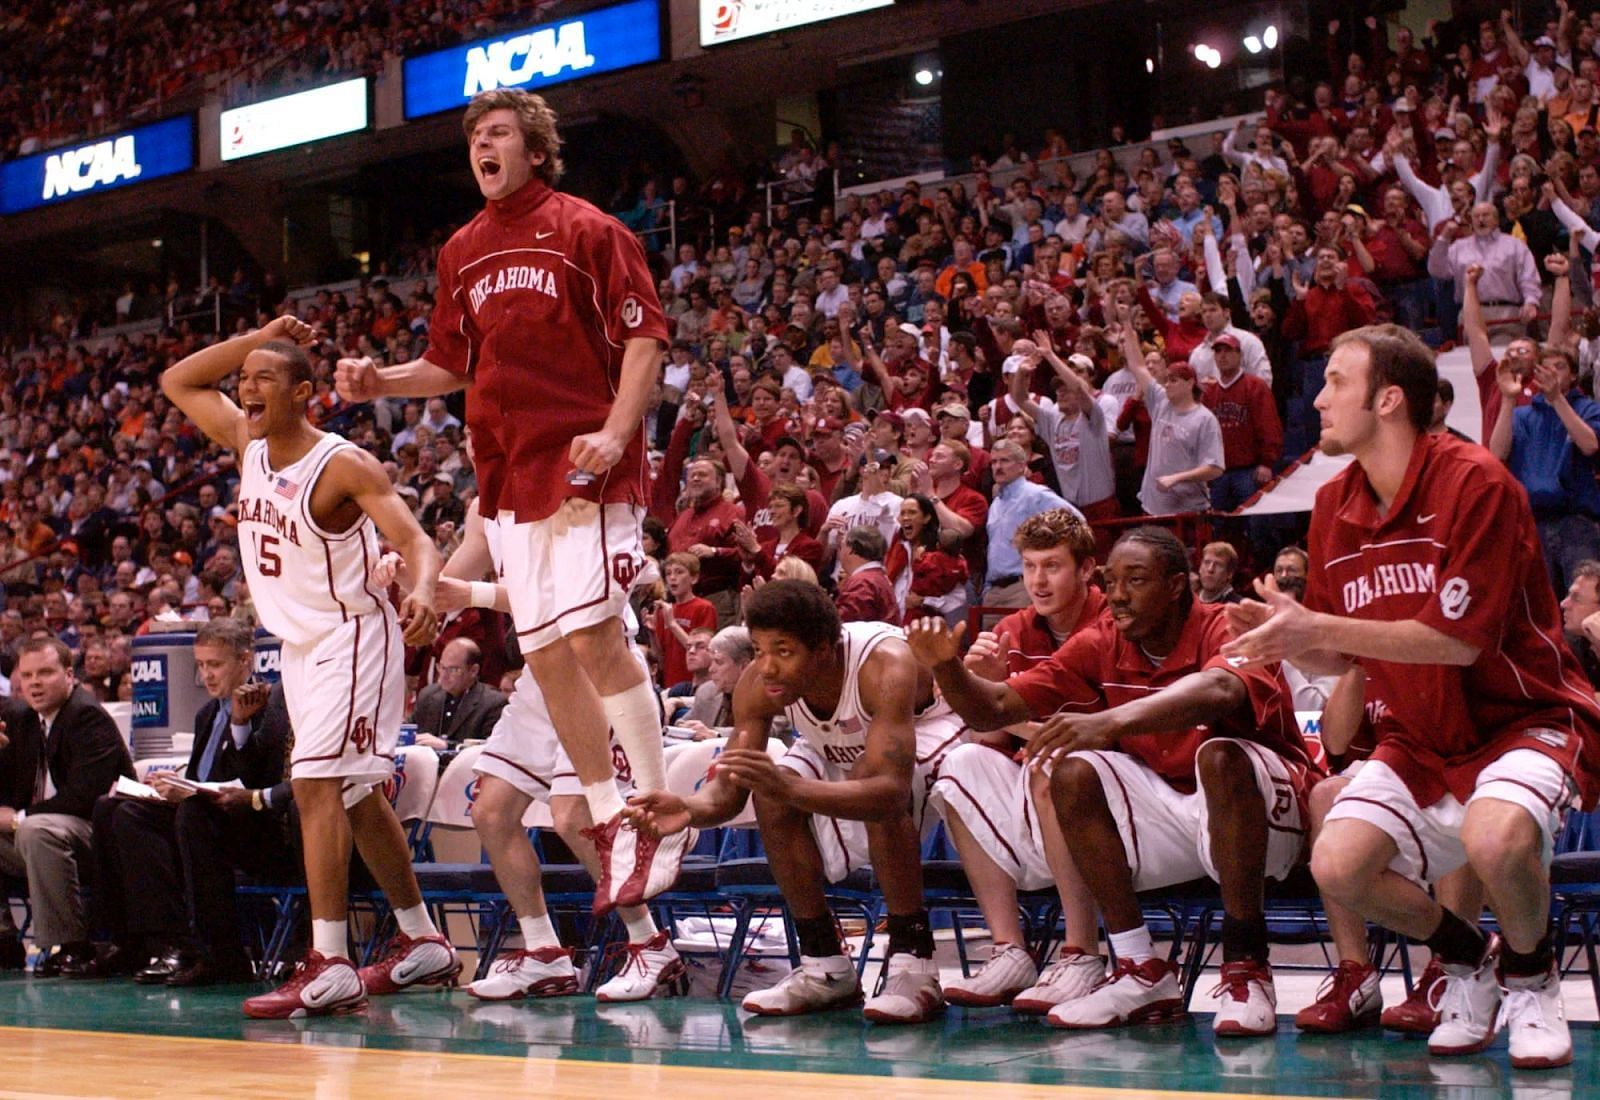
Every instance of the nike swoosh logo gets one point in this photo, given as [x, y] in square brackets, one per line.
[546, 233]
[1426, 518]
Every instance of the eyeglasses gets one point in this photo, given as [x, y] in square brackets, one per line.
[455, 668]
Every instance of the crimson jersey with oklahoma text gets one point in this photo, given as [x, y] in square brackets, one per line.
[1457, 551]
[537, 296]
[1098, 669]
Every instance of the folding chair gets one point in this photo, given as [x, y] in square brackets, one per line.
[1575, 889]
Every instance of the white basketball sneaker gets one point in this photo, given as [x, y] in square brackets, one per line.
[516, 975]
[1469, 1006]
[911, 993]
[1135, 993]
[1074, 974]
[816, 985]
[650, 967]
[1009, 971]
[1536, 1022]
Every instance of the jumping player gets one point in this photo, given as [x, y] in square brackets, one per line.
[523, 762]
[870, 733]
[1426, 568]
[308, 505]
[547, 313]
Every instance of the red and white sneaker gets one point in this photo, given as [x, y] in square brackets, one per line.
[517, 975]
[635, 866]
[428, 960]
[1349, 1000]
[651, 966]
[1133, 993]
[321, 985]
[1074, 974]
[1418, 1014]
[1247, 1002]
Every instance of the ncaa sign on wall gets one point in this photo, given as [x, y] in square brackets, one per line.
[595, 42]
[116, 160]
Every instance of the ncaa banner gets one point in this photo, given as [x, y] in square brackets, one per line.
[116, 160]
[594, 42]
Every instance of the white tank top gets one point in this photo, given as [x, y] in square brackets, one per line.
[304, 581]
[842, 736]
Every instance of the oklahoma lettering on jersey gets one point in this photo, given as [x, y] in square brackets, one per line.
[512, 278]
[1457, 551]
[303, 581]
[538, 297]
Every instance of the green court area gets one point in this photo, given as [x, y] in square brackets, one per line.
[992, 1046]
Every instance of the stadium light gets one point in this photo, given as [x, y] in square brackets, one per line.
[1252, 43]
[923, 77]
[1149, 65]
[1269, 37]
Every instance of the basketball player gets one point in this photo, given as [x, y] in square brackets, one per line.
[991, 804]
[1426, 568]
[1167, 763]
[1350, 998]
[547, 313]
[870, 735]
[523, 762]
[311, 506]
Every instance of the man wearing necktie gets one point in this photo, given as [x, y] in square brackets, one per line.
[165, 869]
[64, 751]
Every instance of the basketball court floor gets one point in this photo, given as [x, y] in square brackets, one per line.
[116, 1039]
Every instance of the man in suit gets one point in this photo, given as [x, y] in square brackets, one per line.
[865, 594]
[164, 884]
[70, 754]
[459, 707]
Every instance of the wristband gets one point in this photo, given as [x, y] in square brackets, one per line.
[255, 801]
[16, 820]
[482, 594]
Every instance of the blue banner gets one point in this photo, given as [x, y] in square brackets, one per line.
[551, 53]
[117, 160]
[149, 675]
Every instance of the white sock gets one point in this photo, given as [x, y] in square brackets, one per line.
[331, 938]
[415, 921]
[635, 717]
[1134, 944]
[641, 927]
[538, 932]
[604, 801]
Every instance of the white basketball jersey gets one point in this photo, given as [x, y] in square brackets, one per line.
[304, 581]
[841, 738]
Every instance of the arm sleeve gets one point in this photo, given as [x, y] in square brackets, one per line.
[630, 308]
[1474, 593]
[1528, 276]
[1069, 680]
[1575, 225]
[1210, 442]
[449, 345]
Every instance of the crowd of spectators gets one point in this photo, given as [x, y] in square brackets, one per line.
[72, 70]
[877, 389]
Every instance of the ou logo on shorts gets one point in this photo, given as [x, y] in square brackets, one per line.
[1454, 598]
[362, 734]
[625, 569]
[632, 311]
